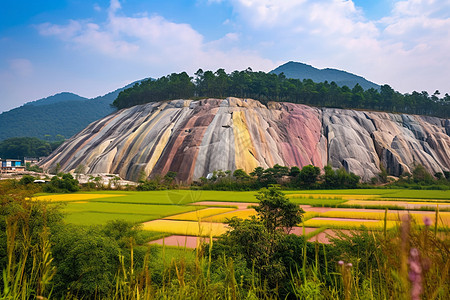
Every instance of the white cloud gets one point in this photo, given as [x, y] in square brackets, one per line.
[399, 49]
[413, 40]
[155, 41]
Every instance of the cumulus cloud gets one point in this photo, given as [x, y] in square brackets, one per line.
[412, 40]
[155, 41]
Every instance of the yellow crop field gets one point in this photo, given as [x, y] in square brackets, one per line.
[200, 214]
[397, 203]
[243, 214]
[332, 196]
[360, 215]
[443, 219]
[74, 197]
[348, 224]
[186, 227]
[441, 203]
[310, 214]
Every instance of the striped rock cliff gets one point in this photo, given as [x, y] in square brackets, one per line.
[194, 138]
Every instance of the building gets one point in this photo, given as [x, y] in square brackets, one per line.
[31, 160]
[11, 165]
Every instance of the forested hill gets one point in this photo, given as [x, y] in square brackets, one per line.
[63, 114]
[60, 97]
[297, 70]
[267, 87]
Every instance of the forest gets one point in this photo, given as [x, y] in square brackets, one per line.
[20, 147]
[267, 87]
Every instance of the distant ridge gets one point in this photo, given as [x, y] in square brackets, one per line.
[302, 71]
[60, 97]
[64, 114]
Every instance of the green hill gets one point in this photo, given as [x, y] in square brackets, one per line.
[60, 97]
[61, 114]
[302, 71]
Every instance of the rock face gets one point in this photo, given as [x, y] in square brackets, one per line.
[194, 138]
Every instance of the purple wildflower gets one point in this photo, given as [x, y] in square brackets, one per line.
[427, 221]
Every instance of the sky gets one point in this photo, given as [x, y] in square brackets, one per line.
[93, 47]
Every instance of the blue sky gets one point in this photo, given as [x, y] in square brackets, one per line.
[93, 47]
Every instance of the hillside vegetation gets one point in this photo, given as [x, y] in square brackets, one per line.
[21, 147]
[271, 87]
[63, 114]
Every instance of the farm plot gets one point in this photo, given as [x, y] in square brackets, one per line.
[399, 204]
[90, 213]
[74, 197]
[186, 227]
[204, 213]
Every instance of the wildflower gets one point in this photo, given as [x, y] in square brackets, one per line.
[349, 265]
[341, 263]
[427, 221]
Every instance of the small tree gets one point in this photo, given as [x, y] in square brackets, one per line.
[276, 211]
[309, 175]
[240, 174]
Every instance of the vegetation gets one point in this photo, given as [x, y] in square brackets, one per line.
[271, 87]
[43, 257]
[48, 121]
[62, 183]
[307, 178]
[63, 114]
[20, 147]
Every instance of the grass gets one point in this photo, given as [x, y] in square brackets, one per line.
[93, 213]
[418, 194]
[316, 201]
[146, 209]
[182, 197]
[169, 253]
[380, 193]
[101, 218]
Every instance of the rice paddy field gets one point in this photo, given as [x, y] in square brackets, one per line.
[180, 215]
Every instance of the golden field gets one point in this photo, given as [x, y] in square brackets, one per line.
[74, 197]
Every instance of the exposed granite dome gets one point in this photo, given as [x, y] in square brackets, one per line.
[194, 138]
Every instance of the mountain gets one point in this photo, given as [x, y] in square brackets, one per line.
[60, 97]
[194, 138]
[61, 114]
[302, 71]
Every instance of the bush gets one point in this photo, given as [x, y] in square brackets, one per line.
[63, 183]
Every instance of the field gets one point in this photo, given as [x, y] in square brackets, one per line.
[185, 213]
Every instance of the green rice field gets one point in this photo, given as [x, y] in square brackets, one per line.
[325, 209]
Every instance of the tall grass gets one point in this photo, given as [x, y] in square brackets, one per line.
[407, 262]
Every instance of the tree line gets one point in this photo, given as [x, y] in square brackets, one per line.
[20, 147]
[267, 87]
